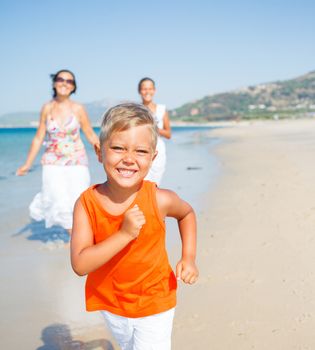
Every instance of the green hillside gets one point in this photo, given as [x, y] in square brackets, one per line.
[281, 99]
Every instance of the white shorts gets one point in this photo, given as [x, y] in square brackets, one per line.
[143, 333]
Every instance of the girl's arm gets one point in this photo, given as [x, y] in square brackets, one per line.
[166, 131]
[86, 126]
[36, 143]
[171, 205]
[86, 256]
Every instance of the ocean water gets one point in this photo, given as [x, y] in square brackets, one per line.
[191, 168]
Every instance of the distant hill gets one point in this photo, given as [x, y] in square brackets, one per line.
[19, 119]
[281, 99]
[95, 111]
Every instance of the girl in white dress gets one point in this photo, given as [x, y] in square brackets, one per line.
[65, 171]
[146, 89]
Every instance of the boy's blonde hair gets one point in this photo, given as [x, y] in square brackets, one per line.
[125, 116]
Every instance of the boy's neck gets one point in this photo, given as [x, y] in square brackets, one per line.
[119, 194]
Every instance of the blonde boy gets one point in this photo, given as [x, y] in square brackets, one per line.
[118, 235]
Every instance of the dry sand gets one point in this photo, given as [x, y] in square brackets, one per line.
[256, 245]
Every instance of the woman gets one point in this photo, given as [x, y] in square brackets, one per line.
[146, 89]
[65, 171]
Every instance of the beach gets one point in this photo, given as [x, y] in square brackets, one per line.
[256, 244]
[251, 184]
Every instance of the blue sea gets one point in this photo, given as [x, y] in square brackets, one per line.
[191, 168]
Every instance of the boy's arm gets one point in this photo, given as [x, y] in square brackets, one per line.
[171, 205]
[87, 256]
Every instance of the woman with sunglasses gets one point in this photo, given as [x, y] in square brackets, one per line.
[65, 171]
[146, 89]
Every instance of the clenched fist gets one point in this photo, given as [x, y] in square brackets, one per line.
[133, 222]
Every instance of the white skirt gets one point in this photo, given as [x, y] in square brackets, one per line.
[61, 186]
[157, 169]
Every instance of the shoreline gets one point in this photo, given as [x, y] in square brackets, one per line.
[173, 124]
[182, 124]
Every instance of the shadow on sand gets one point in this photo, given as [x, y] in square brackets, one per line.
[58, 337]
[37, 231]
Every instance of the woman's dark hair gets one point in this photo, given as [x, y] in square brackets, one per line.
[143, 80]
[55, 76]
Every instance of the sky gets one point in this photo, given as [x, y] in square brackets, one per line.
[190, 48]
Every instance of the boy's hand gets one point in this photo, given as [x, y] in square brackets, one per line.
[133, 222]
[186, 270]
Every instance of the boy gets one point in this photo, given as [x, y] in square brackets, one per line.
[118, 235]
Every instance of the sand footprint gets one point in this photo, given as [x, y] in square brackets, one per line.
[305, 317]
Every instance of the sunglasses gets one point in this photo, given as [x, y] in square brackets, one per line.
[61, 80]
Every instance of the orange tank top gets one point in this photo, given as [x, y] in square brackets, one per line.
[138, 281]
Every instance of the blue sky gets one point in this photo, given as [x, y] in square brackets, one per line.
[191, 48]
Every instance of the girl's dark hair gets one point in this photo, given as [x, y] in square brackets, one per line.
[143, 80]
[54, 76]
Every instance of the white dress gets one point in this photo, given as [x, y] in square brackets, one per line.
[158, 166]
[65, 174]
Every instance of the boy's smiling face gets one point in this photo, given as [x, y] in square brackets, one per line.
[127, 156]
